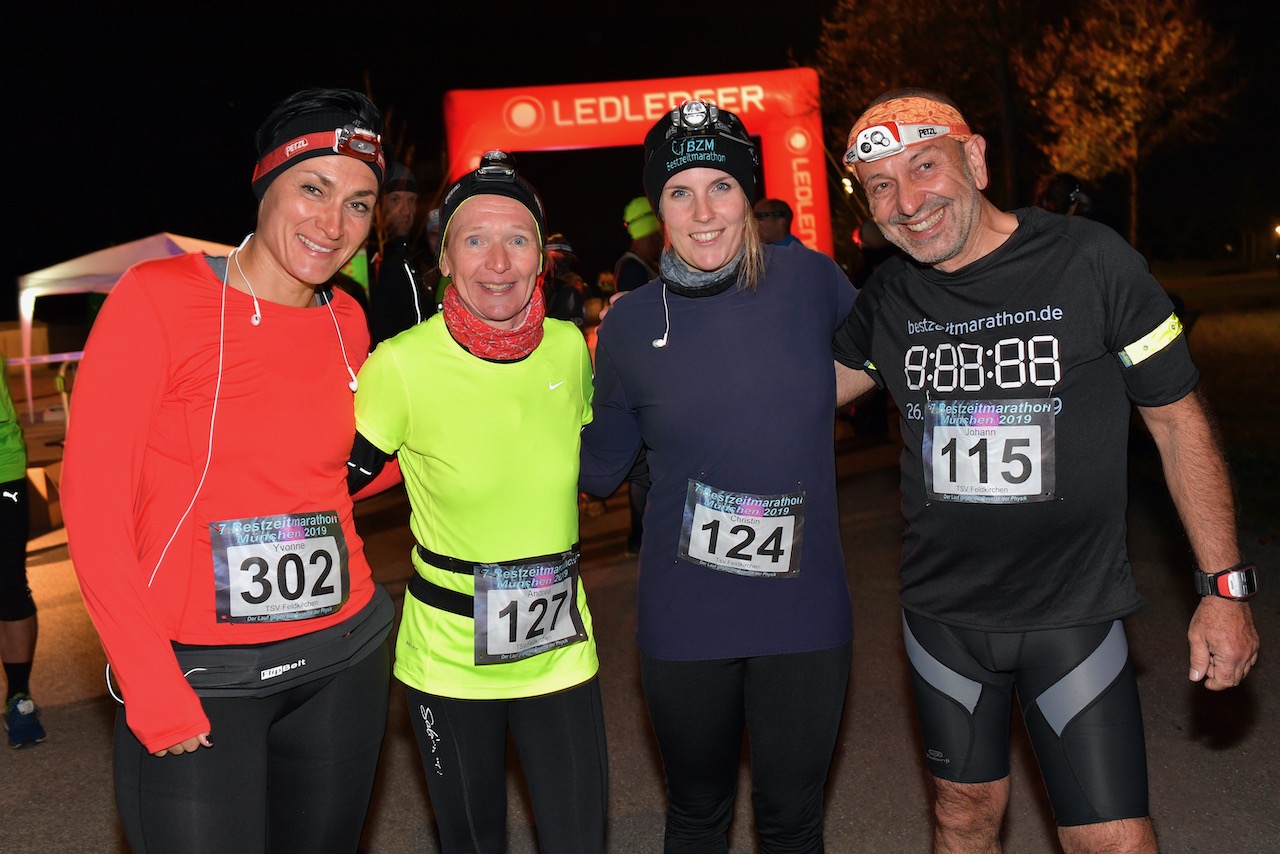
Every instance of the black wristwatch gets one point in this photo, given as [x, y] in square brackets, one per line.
[1238, 582]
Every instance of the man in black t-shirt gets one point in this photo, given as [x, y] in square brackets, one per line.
[1015, 345]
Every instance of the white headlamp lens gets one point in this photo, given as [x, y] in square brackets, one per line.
[694, 114]
[874, 143]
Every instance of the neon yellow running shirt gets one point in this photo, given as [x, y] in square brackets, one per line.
[489, 454]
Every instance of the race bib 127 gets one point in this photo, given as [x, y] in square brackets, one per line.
[526, 609]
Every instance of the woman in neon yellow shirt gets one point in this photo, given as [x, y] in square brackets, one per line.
[483, 404]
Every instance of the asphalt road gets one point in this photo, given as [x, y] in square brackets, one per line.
[1212, 756]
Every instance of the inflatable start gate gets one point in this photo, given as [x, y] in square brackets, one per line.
[779, 107]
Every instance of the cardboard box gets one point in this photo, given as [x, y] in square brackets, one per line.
[45, 503]
[11, 341]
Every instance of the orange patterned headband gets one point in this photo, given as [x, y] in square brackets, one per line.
[888, 128]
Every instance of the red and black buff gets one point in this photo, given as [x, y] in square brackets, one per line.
[495, 345]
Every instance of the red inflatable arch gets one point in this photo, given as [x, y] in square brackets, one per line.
[780, 107]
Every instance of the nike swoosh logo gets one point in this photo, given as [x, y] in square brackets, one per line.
[554, 386]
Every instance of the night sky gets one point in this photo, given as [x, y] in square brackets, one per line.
[131, 118]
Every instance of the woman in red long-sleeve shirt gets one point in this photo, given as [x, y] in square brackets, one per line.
[209, 520]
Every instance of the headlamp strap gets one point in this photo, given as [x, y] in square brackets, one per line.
[889, 138]
[349, 140]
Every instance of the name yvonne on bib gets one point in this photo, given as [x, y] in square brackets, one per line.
[291, 566]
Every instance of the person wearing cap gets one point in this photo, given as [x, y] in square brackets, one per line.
[208, 517]
[1016, 344]
[721, 369]
[773, 218]
[396, 296]
[639, 264]
[483, 405]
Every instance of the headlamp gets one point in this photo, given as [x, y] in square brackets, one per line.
[695, 116]
[703, 117]
[349, 140]
[495, 176]
[496, 166]
[885, 140]
[358, 142]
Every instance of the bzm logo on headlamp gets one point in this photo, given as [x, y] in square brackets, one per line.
[295, 146]
[681, 147]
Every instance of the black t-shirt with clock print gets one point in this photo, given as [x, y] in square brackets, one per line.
[1014, 377]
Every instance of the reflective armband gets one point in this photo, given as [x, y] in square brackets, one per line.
[1151, 343]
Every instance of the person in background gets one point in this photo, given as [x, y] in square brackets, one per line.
[1014, 575]
[209, 521]
[433, 234]
[773, 218]
[606, 285]
[567, 293]
[483, 405]
[1060, 193]
[722, 369]
[433, 281]
[639, 264]
[18, 624]
[397, 299]
[869, 416]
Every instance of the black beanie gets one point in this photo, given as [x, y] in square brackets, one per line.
[695, 134]
[496, 176]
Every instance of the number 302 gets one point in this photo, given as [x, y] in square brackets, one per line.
[289, 568]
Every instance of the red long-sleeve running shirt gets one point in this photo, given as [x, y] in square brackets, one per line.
[144, 399]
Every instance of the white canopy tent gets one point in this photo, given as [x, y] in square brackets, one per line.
[96, 272]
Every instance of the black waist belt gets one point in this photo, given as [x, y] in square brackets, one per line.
[260, 670]
[430, 593]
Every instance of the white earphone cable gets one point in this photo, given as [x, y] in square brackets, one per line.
[213, 414]
[659, 343]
